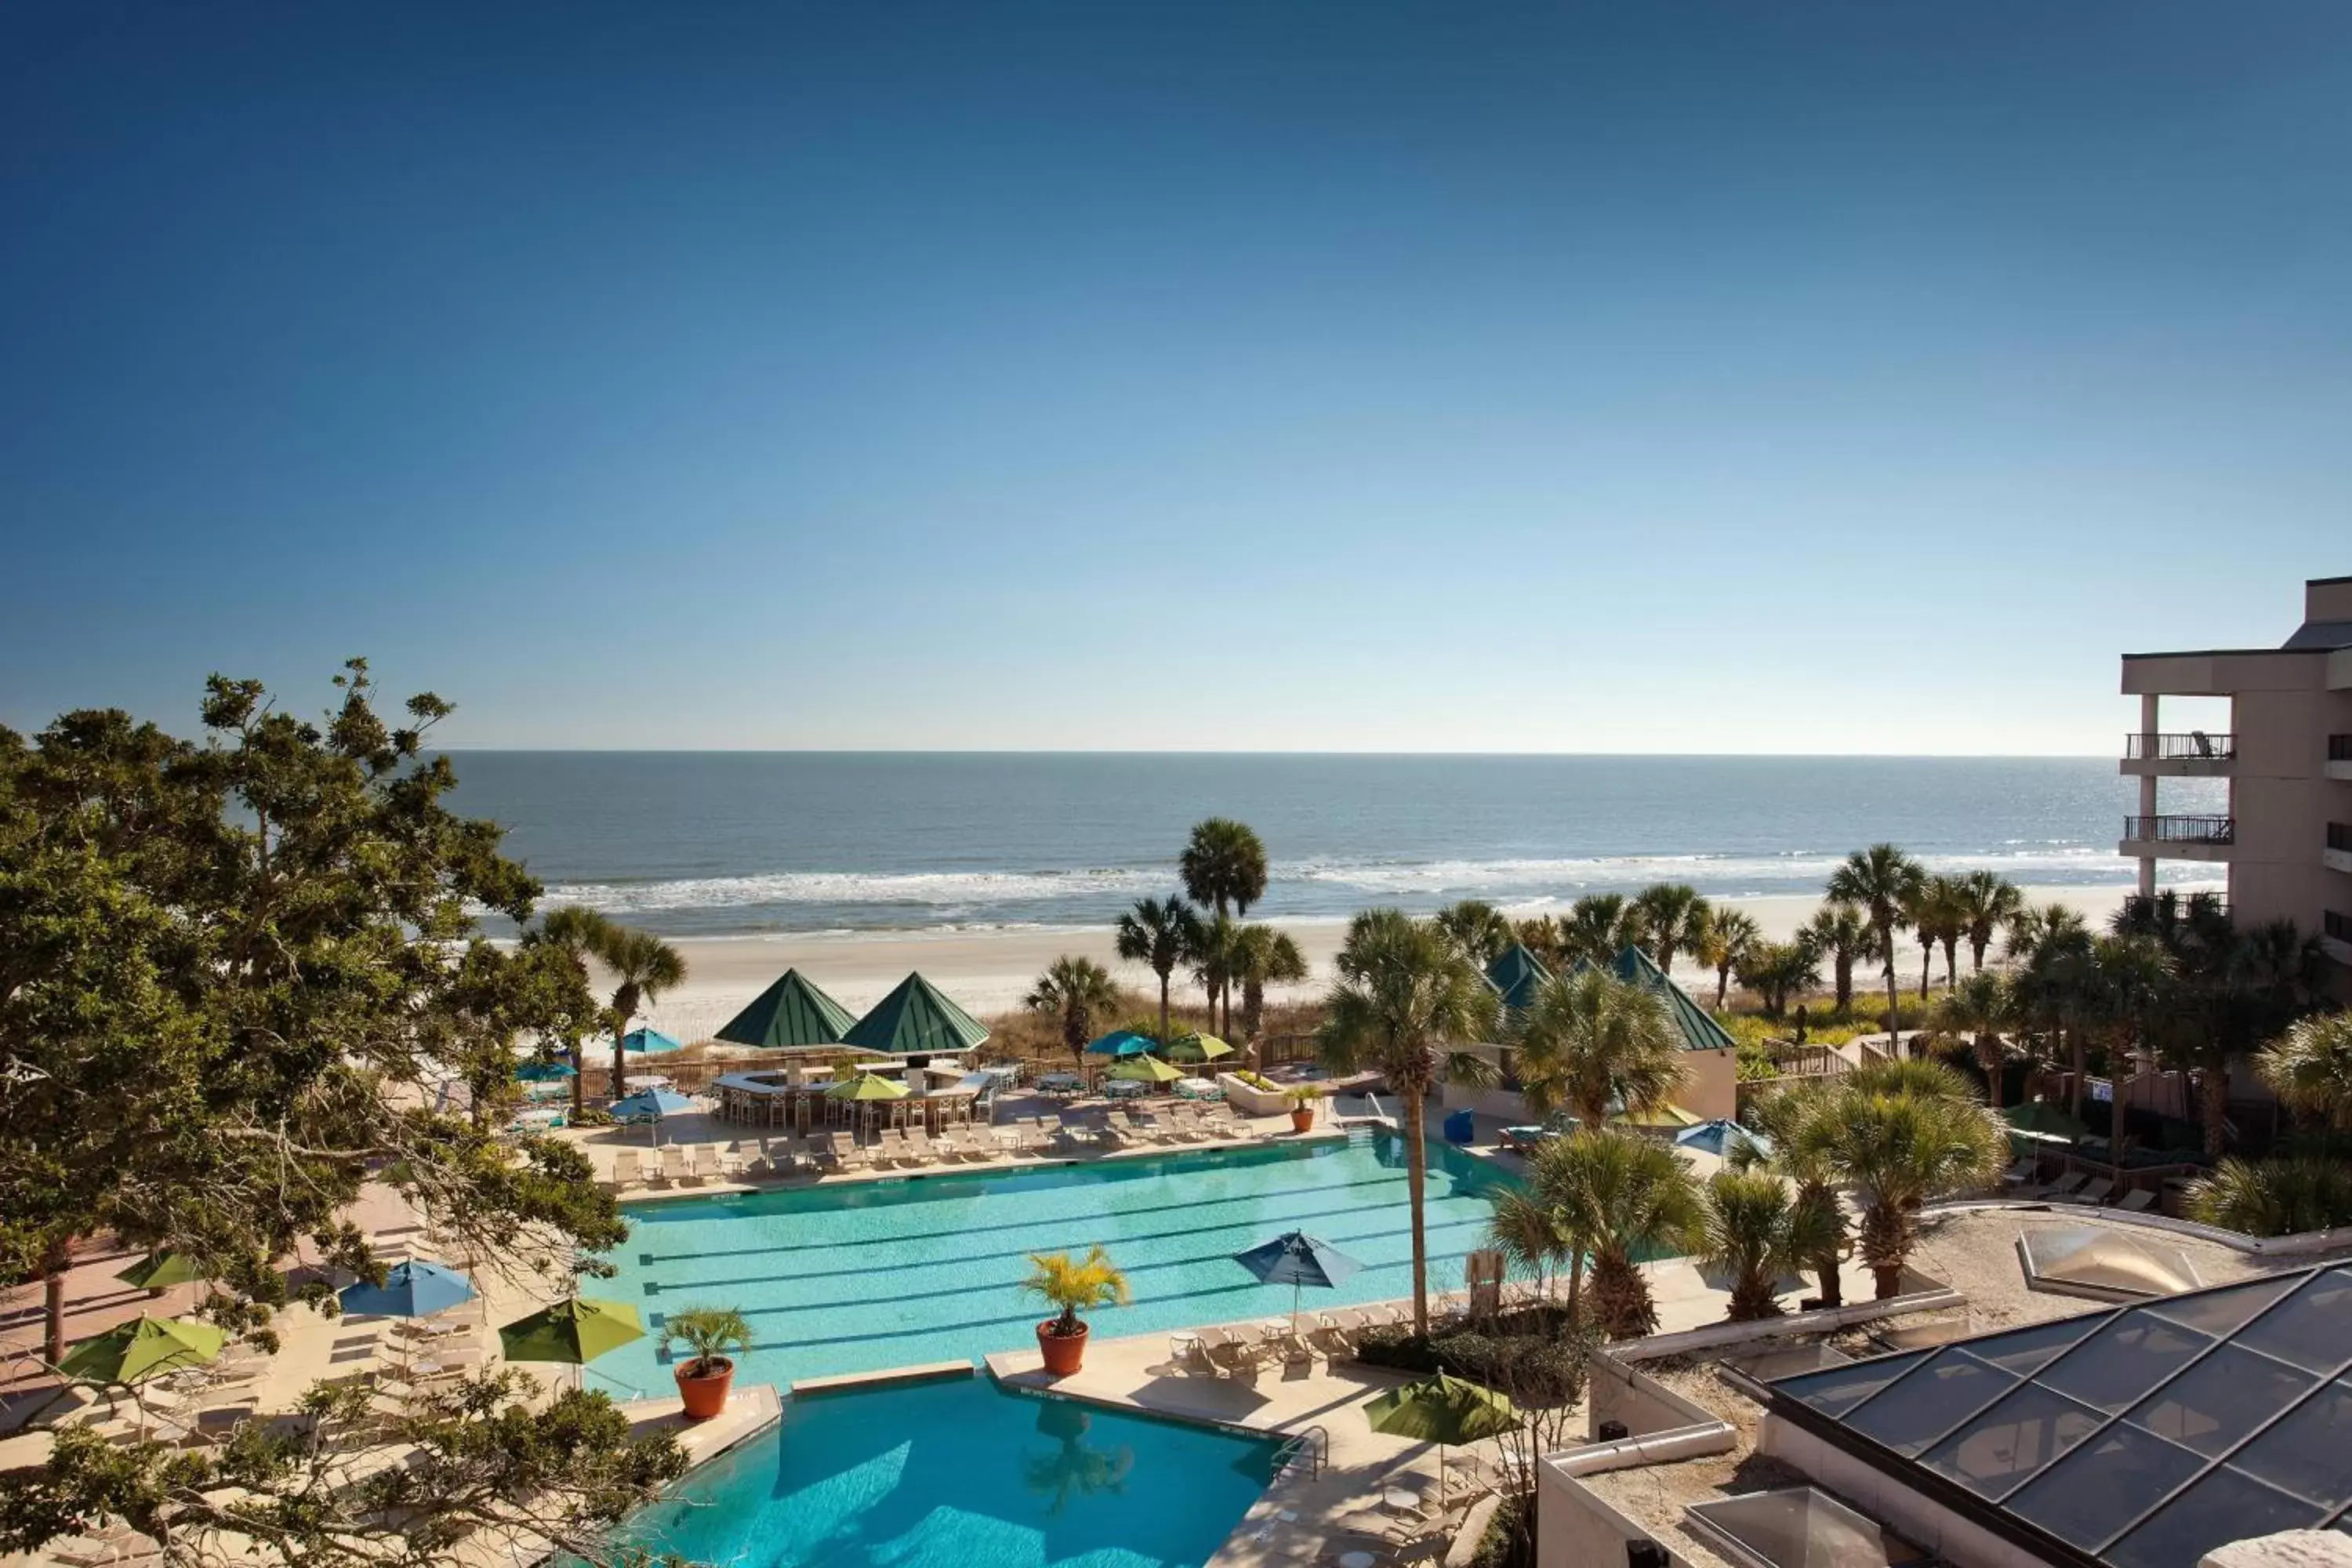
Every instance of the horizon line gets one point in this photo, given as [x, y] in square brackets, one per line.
[482, 746]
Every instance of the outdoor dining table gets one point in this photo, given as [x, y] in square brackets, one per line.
[644, 1080]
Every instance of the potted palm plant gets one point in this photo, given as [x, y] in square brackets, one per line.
[715, 1335]
[1073, 1285]
[1302, 1108]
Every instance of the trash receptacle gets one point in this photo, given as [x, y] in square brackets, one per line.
[1459, 1127]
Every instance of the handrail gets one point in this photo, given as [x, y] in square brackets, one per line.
[2181, 829]
[2192, 746]
[1313, 1442]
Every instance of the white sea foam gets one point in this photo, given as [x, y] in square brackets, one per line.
[965, 899]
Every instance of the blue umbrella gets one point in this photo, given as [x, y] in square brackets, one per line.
[412, 1290]
[648, 1042]
[1121, 1042]
[540, 1072]
[652, 1105]
[1719, 1137]
[1297, 1260]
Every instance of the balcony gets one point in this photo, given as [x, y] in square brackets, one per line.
[2335, 935]
[2340, 756]
[2194, 754]
[2338, 856]
[2180, 837]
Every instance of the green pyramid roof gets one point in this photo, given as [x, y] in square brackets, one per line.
[792, 1012]
[1517, 974]
[915, 1019]
[1700, 1032]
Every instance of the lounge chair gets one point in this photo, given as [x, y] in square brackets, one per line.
[2061, 1189]
[2094, 1194]
[1334, 1333]
[625, 1174]
[1186, 1350]
[1231, 1350]
[673, 1165]
[2139, 1200]
[918, 1149]
[2019, 1174]
[705, 1162]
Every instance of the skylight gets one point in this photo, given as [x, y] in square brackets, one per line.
[2141, 1438]
[2105, 1265]
[1800, 1527]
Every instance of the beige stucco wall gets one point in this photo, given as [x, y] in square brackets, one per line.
[1922, 1521]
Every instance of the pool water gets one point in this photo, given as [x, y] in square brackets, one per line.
[861, 1275]
[961, 1475]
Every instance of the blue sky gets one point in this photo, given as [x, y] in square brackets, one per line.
[1556, 377]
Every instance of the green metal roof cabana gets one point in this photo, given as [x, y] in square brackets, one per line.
[792, 1012]
[916, 1019]
[1516, 976]
[1698, 1029]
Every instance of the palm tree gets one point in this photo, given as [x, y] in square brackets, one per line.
[1159, 933]
[1777, 971]
[1590, 1041]
[1671, 915]
[2058, 988]
[2274, 1197]
[2031, 928]
[1403, 995]
[1840, 933]
[1477, 927]
[1898, 1152]
[579, 933]
[1881, 881]
[1617, 1197]
[1991, 901]
[1939, 914]
[1542, 937]
[1597, 928]
[643, 967]
[1078, 990]
[1916, 1076]
[1724, 943]
[2310, 1066]
[1217, 964]
[1263, 956]
[1757, 1229]
[1529, 1234]
[1798, 1123]
[1977, 1011]
[1223, 863]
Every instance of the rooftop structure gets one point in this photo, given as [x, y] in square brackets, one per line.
[2141, 1438]
[1516, 975]
[794, 1011]
[916, 1019]
[2286, 841]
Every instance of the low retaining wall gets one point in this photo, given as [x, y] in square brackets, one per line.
[1927, 1296]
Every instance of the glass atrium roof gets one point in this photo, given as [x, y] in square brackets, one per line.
[2141, 1438]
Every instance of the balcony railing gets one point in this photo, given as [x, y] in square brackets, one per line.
[2181, 829]
[2196, 746]
[2339, 837]
[2339, 748]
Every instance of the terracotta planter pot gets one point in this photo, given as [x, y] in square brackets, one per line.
[1302, 1119]
[705, 1396]
[1062, 1352]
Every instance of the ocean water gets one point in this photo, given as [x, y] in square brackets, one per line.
[741, 842]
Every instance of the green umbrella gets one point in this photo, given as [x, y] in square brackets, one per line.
[1196, 1048]
[2042, 1119]
[575, 1332]
[868, 1086]
[142, 1348]
[158, 1269]
[1145, 1069]
[1447, 1411]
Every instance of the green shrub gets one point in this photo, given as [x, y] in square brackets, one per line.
[1509, 1539]
[1533, 1356]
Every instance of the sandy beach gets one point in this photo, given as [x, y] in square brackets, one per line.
[990, 971]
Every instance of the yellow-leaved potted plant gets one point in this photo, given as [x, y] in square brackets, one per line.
[1073, 1285]
[715, 1335]
[1302, 1108]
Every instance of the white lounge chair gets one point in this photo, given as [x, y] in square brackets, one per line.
[625, 1174]
[2139, 1200]
[673, 1165]
[706, 1163]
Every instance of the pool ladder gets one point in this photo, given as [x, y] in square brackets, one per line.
[1359, 1136]
[1311, 1447]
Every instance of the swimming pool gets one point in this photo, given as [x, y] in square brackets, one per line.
[961, 1475]
[855, 1277]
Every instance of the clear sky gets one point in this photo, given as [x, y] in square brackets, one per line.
[1242, 376]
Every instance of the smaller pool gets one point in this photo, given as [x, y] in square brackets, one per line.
[960, 1474]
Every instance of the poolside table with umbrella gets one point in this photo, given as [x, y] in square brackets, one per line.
[142, 1348]
[159, 1269]
[1145, 1069]
[651, 1105]
[1720, 1138]
[1195, 1048]
[648, 1043]
[544, 1072]
[866, 1089]
[415, 1288]
[1447, 1411]
[1121, 1042]
[1298, 1259]
[572, 1332]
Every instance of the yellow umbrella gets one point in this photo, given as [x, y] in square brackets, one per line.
[1145, 1069]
